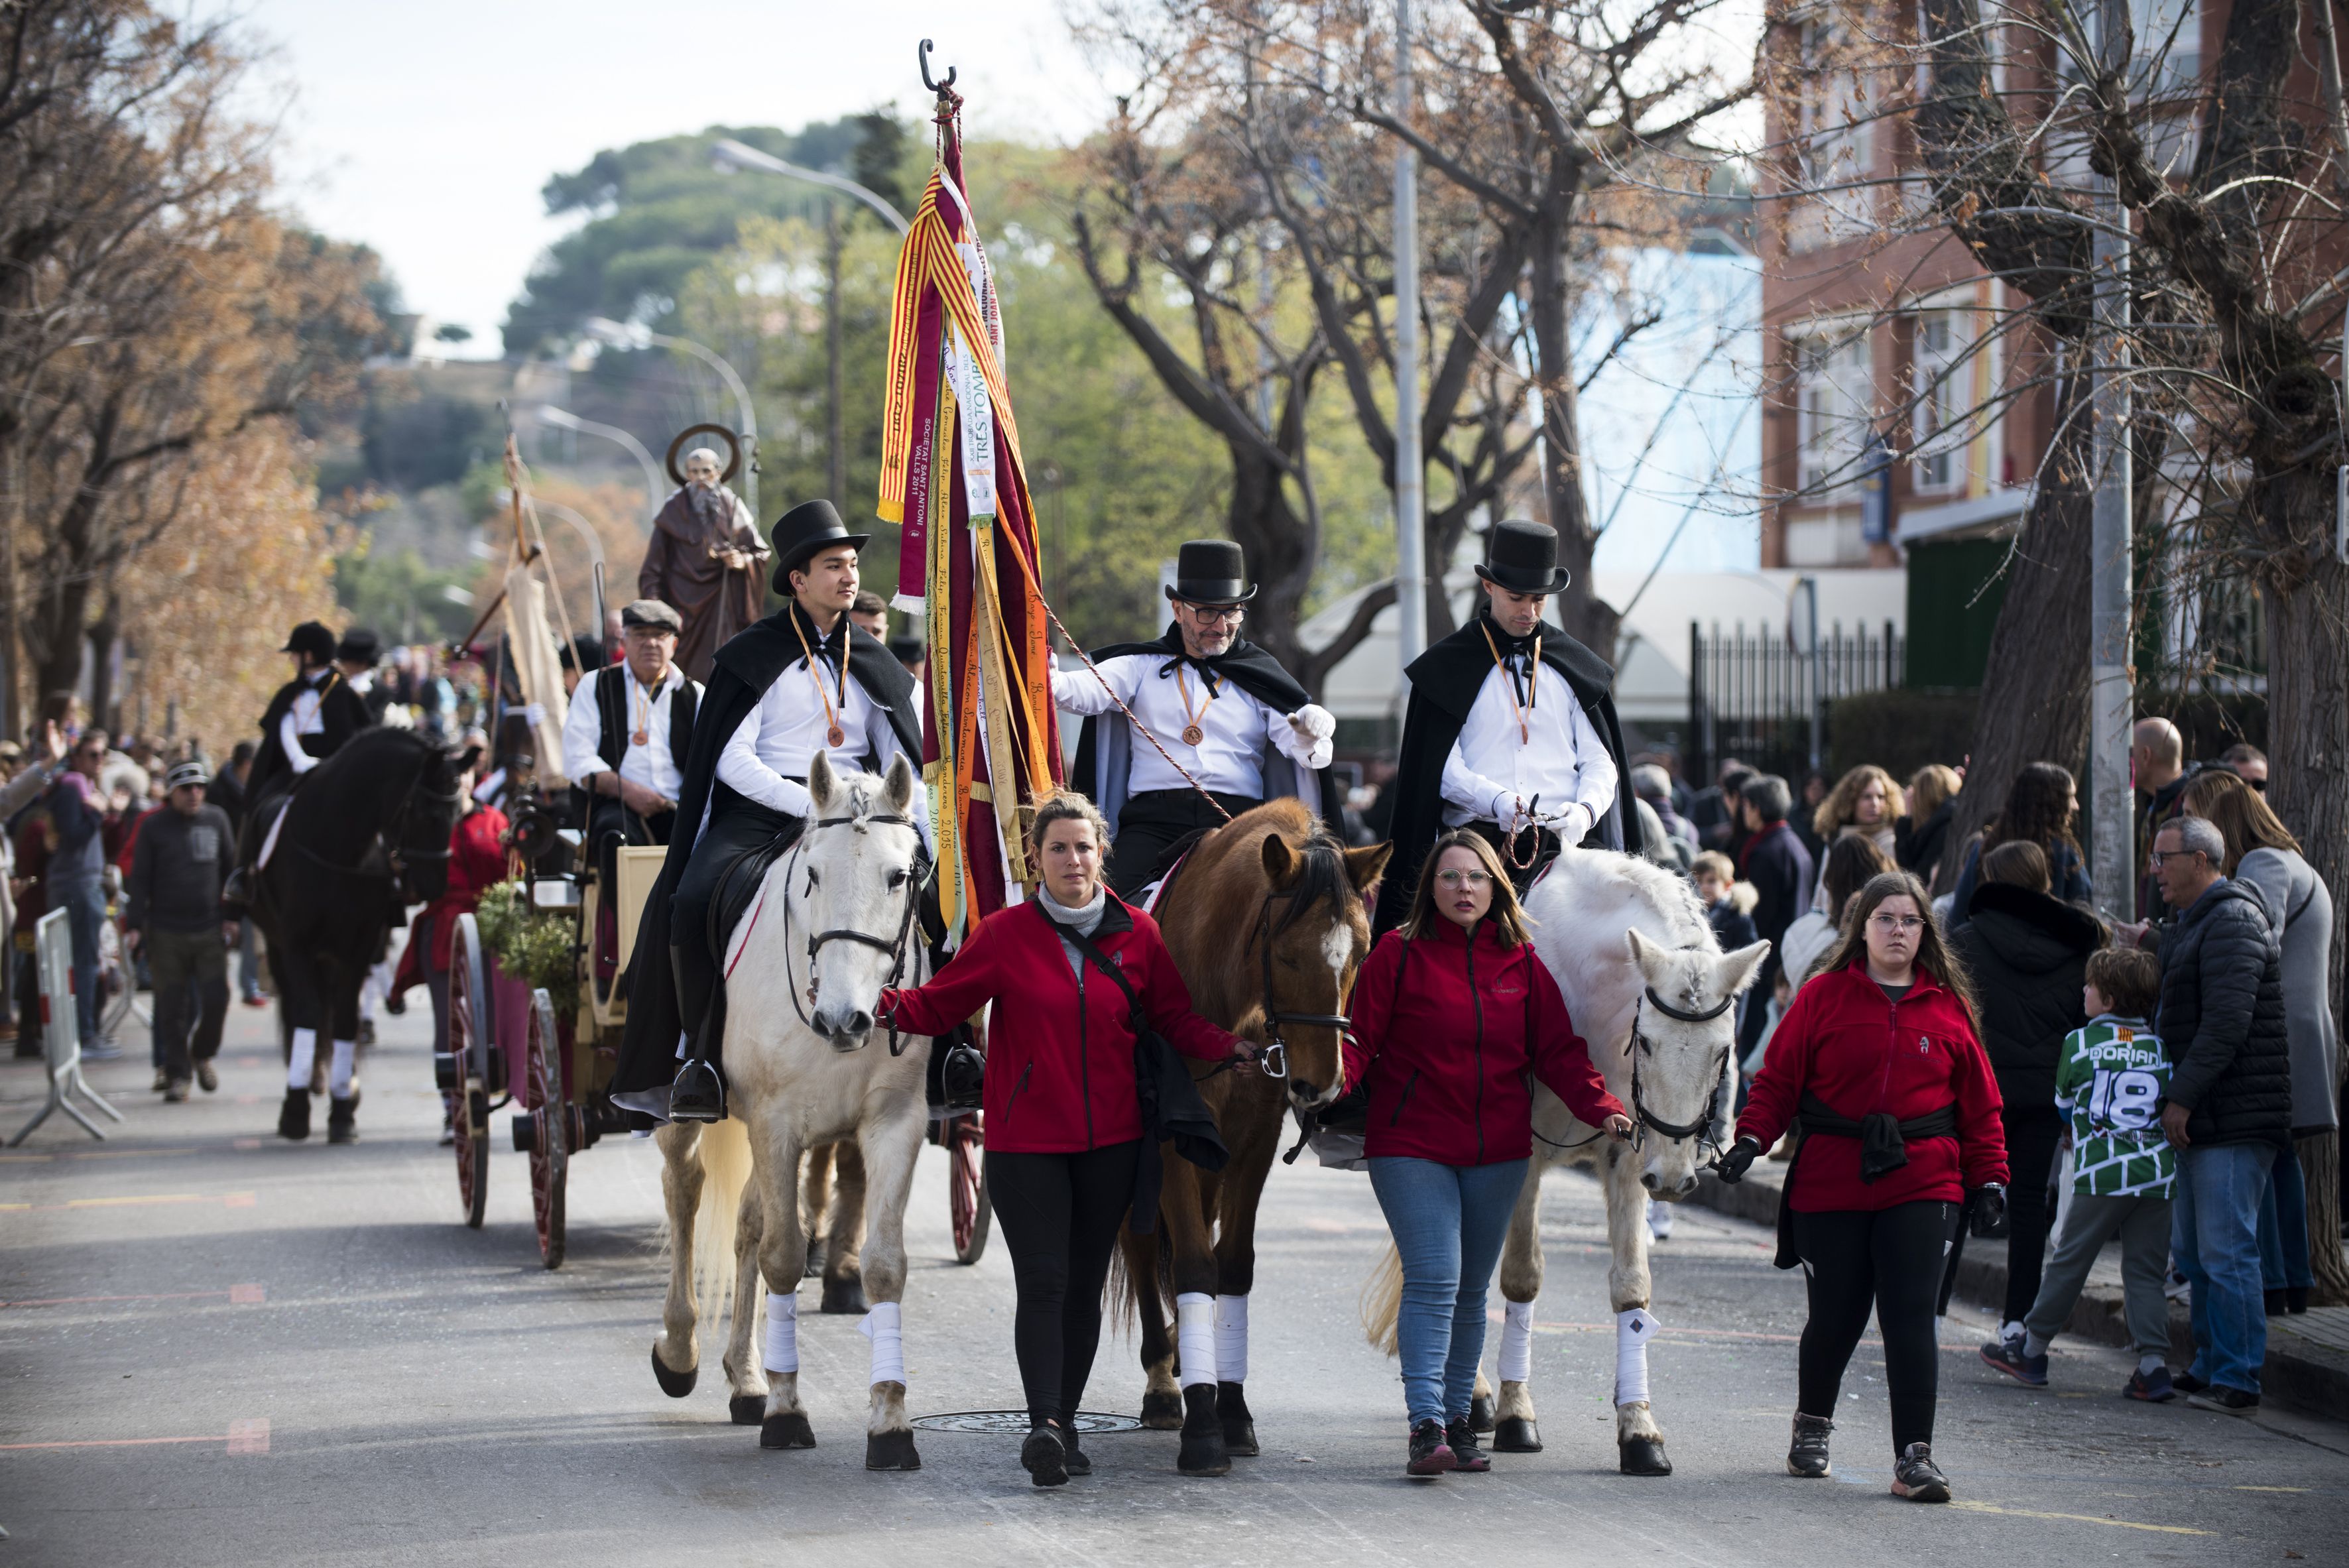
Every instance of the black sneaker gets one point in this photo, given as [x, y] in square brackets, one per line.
[1916, 1477]
[2187, 1383]
[2155, 1387]
[2007, 1355]
[1044, 1459]
[1430, 1455]
[1467, 1454]
[2225, 1401]
[1074, 1460]
[1807, 1455]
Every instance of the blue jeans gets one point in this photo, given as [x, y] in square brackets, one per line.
[2214, 1214]
[2283, 1225]
[1448, 1222]
[85, 907]
[248, 959]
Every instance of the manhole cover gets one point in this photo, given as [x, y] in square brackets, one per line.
[1011, 1423]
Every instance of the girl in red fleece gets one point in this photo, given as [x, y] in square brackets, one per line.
[1878, 1056]
[1454, 1016]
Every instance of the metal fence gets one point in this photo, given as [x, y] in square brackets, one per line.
[1753, 694]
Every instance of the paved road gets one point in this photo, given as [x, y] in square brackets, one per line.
[218, 1349]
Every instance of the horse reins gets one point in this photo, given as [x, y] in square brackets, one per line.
[896, 948]
[396, 855]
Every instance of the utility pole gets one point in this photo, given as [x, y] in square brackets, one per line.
[837, 472]
[2112, 693]
[1410, 530]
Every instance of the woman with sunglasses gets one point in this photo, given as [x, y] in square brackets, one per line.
[1879, 1057]
[1454, 1016]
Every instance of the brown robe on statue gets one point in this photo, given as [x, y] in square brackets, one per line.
[683, 571]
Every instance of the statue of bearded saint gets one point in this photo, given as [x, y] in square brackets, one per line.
[706, 560]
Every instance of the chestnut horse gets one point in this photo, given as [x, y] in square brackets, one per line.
[1266, 921]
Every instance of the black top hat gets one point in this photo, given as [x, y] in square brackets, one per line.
[359, 646]
[1522, 558]
[801, 533]
[1211, 572]
[313, 638]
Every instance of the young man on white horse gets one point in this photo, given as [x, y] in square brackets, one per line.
[1227, 714]
[1511, 730]
[802, 681]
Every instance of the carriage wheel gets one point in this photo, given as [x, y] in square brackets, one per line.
[549, 1144]
[469, 1017]
[967, 1187]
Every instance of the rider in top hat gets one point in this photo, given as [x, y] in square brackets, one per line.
[356, 657]
[1234, 721]
[803, 680]
[1511, 730]
[307, 722]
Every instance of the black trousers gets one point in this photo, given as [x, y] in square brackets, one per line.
[1060, 1215]
[1889, 1259]
[1153, 822]
[2031, 1134]
[190, 974]
[740, 828]
[611, 824]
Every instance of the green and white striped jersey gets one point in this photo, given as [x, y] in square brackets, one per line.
[2110, 1082]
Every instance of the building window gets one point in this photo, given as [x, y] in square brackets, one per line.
[1833, 406]
[1941, 390]
[1834, 146]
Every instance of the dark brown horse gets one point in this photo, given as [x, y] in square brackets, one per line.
[1266, 920]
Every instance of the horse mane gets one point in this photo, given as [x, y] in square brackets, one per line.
[1669, 897]
[1321, 874]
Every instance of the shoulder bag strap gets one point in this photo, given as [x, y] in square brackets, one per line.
[1100, 961]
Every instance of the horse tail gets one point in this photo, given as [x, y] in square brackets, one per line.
[1120, 1307]
[724, 1147]
[1383, 1302]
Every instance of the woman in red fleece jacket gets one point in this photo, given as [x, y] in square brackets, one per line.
[1878, 1056]
[1454, 1016]
[1063, 1113]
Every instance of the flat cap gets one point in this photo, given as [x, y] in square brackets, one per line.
[652, 612]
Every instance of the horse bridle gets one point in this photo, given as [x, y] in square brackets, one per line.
[1646, 1120]
[386, 838]
[915, 876]
[1272, 1061]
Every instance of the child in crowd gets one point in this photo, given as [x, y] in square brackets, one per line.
[2109, 1081]
[1728, 902]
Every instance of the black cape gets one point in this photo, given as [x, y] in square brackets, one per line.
[1444, 682]
[1105, 742]
[741, 673]
[342, 713]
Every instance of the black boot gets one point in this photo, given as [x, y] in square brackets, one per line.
[342, 1119]
[294, 1117]
[697, 1095]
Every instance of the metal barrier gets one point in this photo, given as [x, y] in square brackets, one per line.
[60, 1030]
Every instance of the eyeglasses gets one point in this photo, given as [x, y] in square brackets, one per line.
[1463, 879]
[2163, 857]
[1231, 612]
[1890, 924]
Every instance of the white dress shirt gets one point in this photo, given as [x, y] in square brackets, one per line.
[776, 744]
[651, 763]
[1234, 726]
[1493, 767]
[303, 718]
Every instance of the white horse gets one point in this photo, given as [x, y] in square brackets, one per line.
[1652, 992]
[831, 924]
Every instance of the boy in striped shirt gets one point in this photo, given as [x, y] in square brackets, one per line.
[2109, 1081]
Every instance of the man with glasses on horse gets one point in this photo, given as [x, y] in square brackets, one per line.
[307, 722]
[1511, 730]
[1225, 723]
[803, 680]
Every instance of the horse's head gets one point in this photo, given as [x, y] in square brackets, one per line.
[420, 837]
[1684, 1047]
[1310, 938]
[854, 877]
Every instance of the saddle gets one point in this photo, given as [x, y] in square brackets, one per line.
[738, 884]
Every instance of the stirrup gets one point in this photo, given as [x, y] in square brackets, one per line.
[698, 1095]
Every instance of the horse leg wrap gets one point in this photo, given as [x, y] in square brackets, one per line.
[1231, 1338]
[338, 1073]
[885, 1326]
[1633, 1330]
[1516, 1362]
[782, 1332]
[305, 1057]
[1195, 1337]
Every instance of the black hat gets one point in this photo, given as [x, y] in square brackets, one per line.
[652, 612]
[1211, 572]
[801, 533]
[359, 646]
[313, 638]
[1522, 558]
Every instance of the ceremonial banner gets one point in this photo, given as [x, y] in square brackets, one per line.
[952, 477]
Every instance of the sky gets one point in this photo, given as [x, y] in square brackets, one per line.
[426, 129]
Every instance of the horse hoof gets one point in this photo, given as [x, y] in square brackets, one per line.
[1162, 1412]
[1644, 1456]
[789, 1430]
[293, 1116]
[747, 1409]
[1239, 1426]
[1480, 1412]
[1203, 1451]
[676, 1385]
[890, 1451]
[843, 1295]
[1516, 1435]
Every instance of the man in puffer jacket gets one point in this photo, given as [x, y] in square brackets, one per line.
[2229, 1108]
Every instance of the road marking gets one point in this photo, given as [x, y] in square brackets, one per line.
[238, 1295]
[246, 1143]
[1972, 1507]
[249, 1436]
[94, 1154]
[246, 1296]
[2267, 1489]
[115, 1442]
[225, 1199]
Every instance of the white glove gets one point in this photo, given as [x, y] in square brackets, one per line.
[534, 715]
[1570, 824]
[1314, 725]
[1508, 806]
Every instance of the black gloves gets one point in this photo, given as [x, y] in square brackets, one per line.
[1990, 1212]
[1730, 1166]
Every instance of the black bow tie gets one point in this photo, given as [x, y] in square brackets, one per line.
[1207, 668]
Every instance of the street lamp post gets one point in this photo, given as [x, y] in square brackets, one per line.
[564, 419]
[621, 335]
[729, 155]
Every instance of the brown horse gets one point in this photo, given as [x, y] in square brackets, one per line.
[1266, 922]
